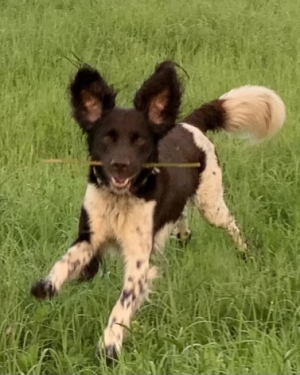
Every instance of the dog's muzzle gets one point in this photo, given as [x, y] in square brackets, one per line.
[121, 183]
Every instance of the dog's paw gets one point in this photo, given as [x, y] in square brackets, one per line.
[246, 256]
[183, 240]
[43, 289]
[244, 253]
[111, 355]
[110, 344]
[90, 270]
[109, 352]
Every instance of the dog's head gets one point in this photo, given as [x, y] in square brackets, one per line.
[124, 139]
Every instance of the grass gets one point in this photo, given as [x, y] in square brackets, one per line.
[211, 313]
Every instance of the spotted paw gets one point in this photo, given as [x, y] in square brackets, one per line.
[184, 240]
[109, 352]
[111, 355]
[90, 270]
[245, 255]
[43, 289]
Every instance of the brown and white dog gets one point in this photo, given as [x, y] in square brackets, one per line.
[135, 208]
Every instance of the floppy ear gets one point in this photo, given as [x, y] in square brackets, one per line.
[160, 96]
[90, 97]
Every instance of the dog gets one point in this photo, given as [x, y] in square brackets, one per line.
[137, 208]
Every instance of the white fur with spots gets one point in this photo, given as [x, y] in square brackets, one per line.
[129, 220]
[209, 196]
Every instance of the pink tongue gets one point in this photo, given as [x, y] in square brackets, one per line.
[120, 180]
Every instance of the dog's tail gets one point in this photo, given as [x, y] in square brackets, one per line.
[254, 111]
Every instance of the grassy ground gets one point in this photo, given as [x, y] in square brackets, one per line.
[211, 312]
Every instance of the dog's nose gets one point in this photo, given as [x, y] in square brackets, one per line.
[119, 166]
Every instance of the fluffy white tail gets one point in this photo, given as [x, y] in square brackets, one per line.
[254, 111]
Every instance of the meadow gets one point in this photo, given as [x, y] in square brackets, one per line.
[210, 312]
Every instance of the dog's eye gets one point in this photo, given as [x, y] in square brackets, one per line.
[110, 136]
[137, 139]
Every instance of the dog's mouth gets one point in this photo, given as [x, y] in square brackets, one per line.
[121, 183]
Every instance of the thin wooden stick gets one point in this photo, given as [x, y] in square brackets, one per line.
[146, 165]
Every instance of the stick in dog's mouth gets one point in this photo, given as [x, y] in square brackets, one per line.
[146, 165]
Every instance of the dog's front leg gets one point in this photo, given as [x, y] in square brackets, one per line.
[80, 255]
[136, 249]
[67, 267]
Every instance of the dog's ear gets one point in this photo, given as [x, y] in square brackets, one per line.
[160, 96]
[91, 97]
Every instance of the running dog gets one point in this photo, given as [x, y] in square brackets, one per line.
[136, 208]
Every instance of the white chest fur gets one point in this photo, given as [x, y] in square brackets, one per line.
[117, 216]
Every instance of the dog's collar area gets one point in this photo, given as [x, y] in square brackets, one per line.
[153, 171]
[142, 182]
[98, 179]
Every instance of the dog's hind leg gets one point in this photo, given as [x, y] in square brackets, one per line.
[209, 200]
[181, 230]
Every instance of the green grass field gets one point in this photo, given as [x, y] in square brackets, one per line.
[211, 313]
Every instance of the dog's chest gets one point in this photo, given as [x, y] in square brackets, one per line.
[117, 215]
